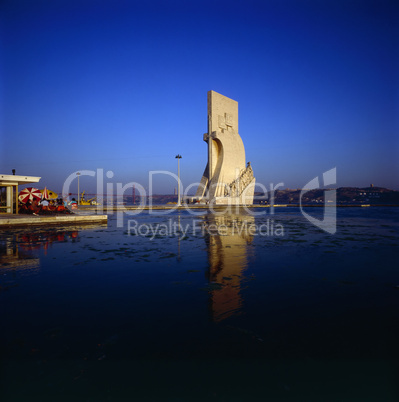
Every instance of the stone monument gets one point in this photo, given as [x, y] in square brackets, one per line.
[227, 179]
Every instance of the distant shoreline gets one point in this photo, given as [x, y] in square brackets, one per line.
[188, 206]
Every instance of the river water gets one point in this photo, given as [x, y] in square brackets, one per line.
[224, 307]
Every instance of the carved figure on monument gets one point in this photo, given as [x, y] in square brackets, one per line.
[226, 179]
[226, 190]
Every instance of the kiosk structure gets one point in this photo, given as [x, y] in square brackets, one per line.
[9, 191]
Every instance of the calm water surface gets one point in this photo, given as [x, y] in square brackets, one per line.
[142, 312]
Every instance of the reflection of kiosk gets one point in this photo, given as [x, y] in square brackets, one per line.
[227, 238]
[9, 190]
[20, 251]
[11, 257]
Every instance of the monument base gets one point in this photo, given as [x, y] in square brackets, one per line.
[246, 198]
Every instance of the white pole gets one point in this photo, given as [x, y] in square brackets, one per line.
[178, 157]
[78, 174]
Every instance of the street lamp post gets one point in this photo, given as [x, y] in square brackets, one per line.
[78, 174]
[178, 157]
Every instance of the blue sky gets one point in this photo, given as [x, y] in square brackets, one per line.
[122, 86]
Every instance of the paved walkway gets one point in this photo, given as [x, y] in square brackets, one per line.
[12, 220]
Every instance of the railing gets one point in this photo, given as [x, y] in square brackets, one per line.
[237, 186]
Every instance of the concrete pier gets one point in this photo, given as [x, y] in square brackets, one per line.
[12, 220]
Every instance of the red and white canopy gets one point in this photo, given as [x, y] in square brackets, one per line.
[45, 194]
[29, 193]
[50, 194]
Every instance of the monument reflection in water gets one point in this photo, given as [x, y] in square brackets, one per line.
[227, 244]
